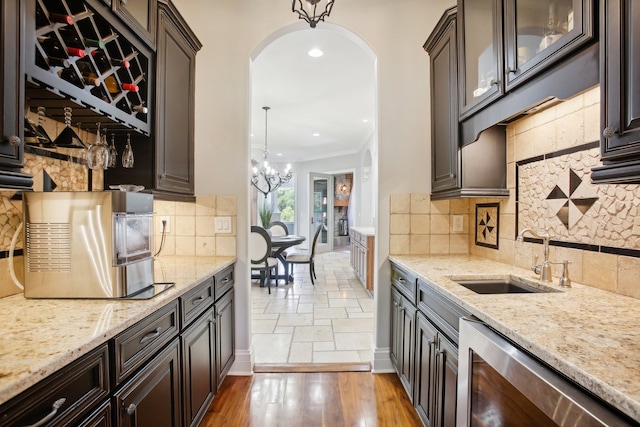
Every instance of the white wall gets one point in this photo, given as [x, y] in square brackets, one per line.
[231, 31]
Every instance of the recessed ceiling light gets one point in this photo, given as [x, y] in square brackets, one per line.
[278, 154]
[316, 134]
[365, 120]
[315, 53]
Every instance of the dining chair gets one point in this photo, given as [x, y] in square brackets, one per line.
[308, 258]
[279, 228]
[260, 253]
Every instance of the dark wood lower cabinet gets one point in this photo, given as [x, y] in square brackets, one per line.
[436, 375]
[426, 336]
[446, 382]
[152, 397]
[403, 336]
[424, 350]
[199, 367]
[101, 417]
[225, 329]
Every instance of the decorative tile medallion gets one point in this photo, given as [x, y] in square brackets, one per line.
[571, 198]
[487, 225]
[555, 191]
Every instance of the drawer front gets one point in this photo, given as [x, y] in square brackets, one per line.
[134, 346]
[443, 312]
[64, 397]
[405, 282]
[224, 281]
[195, 302]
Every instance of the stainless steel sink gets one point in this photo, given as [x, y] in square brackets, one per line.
[502, 286]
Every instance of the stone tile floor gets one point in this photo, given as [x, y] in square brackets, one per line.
[331, 322]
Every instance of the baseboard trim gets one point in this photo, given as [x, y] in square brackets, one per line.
[382, 361]
[242, 365]
[312, 367]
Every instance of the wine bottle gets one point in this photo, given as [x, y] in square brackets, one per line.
[131, 87]
[120, 63]
[74, 51]
[61, 18]
[112, 85]
[70, 75]
[52, 47]
[99, 44]
[140, 109]
[90, 80]
[101, 60]
[58, 62]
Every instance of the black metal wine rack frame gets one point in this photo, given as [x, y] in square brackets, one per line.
[47, 88]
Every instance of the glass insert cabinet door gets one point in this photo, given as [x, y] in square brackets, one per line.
[480, 55]
[541, 32]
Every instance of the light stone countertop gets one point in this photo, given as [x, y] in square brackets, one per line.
[365, 231]
[590, 335]
[40, 336]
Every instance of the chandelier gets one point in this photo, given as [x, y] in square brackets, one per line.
[267, 178]
[307, 10]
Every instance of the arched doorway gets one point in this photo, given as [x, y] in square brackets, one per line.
[309, 125]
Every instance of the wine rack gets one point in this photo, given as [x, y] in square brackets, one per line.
[76, 50]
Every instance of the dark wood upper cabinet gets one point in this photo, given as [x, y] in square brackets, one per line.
[480, 54]
[505, 43]
[620, 98]
[474, 170]
[12, 90]
[175, 102]
[539, 33]
[442, 50]
[140, 15]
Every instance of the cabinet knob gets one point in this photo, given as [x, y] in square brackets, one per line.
[131, 409]
[609, 131]
[14, 140]
[493, 82]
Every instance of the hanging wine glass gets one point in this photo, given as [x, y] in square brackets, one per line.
[127, 154]
[113, 153]
[98, 153]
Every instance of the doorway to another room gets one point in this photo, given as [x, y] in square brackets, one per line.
[322, 121]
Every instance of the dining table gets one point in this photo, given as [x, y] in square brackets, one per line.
[279, 244]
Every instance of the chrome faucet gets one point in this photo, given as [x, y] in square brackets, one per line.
[544, 269]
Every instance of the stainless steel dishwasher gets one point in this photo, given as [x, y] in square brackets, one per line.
[501, 385]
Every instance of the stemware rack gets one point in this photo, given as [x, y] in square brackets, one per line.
[76, 50]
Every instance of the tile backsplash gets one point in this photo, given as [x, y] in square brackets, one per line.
[549, 157]
[192, 230]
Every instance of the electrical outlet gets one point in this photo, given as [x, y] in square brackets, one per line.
[167, 228]
[458, 223]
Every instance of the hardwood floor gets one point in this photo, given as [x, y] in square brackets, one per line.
[312, 399]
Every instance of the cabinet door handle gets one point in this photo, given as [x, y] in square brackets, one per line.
[151, 335]
[609, 131]
[198, 300]
[493, 82]
[14, 140]
[54, 410]
[226, 280]
[401, 279]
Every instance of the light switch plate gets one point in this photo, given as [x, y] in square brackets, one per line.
[222, 224]
[458, 223]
